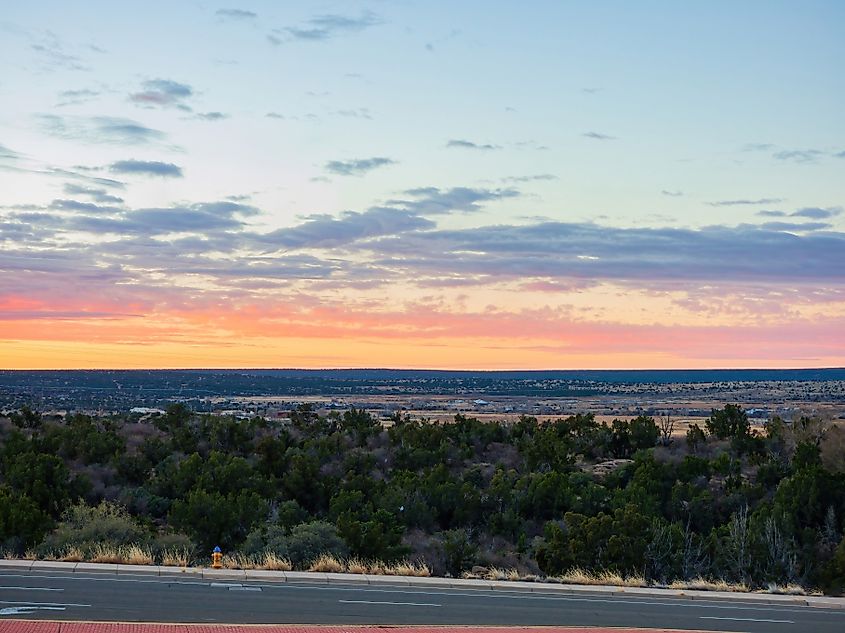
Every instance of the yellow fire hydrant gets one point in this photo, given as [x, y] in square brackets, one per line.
[217, 558]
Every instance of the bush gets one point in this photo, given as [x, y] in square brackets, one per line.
[87, 527]
[307, 541]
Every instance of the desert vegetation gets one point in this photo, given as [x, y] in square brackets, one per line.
[567, 500]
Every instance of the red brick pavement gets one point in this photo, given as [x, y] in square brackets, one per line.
[29, 626]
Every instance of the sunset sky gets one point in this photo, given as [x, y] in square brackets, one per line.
[472, 185]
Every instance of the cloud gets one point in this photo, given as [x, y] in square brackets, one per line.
[8, 154]
[86, 207]
[464, 144]
[799, 155]
[812, 213]
[52, 51]
[357, 113]
[146, 168]
[672, 194]
[640, 256]
[533, 178]
[75, 97]
[274, 115]
[757, 147]
[328, 26]
[357, 166]
[111, 130]
[325, 231]
[162, 93]
[98, 195]
[794, 226]
[236, 14]
[434, 201]
[598, 136]
[815, 213]
[211, 116]
[733, 203]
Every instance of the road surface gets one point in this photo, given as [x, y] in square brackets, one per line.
[46, 595]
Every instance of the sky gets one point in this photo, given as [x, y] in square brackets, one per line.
[473, 185]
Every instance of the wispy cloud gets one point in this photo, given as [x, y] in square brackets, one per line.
[799, 155]
[7, 153]
[99, 129]
[532, 178]
[744, 201]
[325, 231]
[211, 116]
[598, 136]
[357, 166]
[146, 168]
[464, 144]
[436, 201]
[672, 194]
[236, 14]
[86, 207]
[98, 195]
[53, 53]
[76, 97]
[812, 213]
[325, 27]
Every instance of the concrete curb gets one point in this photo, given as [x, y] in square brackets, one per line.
[294, 577]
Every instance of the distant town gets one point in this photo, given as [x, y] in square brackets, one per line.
[436, 395]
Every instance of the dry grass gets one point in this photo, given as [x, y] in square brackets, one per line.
[102, 553]
[176, 557]
[70, 555]
[579, 576]
[326, 563]
[238, 561]
[787, 590]
[376, 568]
[498, 573]
[357, 566]
[137, 555]
[272, 562]
[707, 584]
[407, 568]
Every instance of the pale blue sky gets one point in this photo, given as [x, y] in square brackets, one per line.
[683, 89]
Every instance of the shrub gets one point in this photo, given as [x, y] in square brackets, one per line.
[86, 527]
[307, 541]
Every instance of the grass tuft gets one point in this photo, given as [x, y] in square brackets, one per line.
[137, 555]
[357, 566]
[177, 557]
[272, 562]
[326, 563]
[238, 561]
[70, 555]
[578, 576]
[708, 584]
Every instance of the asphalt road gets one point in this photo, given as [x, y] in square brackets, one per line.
[80, 596]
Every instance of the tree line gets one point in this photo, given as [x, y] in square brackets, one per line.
[724, 500]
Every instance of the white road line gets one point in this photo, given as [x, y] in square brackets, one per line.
[27, 610]
[45, 604]
[404, 604]
[33, 588]
[713, 617]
